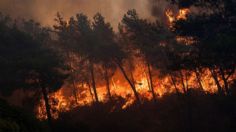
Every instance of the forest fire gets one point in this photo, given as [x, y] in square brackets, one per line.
[65, 100]
[122, 66]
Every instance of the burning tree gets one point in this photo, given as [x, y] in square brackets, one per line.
[214, 46]
[193, 49]
[146, 39]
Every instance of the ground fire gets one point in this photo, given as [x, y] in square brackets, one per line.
[63, 100]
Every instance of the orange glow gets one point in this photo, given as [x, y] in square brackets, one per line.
[185, 40]
[183, 14]
[63, 100]
[170, 16]
[180, 15]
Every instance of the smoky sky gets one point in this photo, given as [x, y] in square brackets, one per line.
[44, 11]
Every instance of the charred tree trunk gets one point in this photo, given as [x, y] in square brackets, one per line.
[214, 75]
[47, 105]
[130, 83]
[108, 85]
[90, 91]
[186, 82]
[174, 83]
[226, 84]
[182, 82]
[75, 90]
[151, 83]
[73, 78]
[148, 81]
[93, 82]
[199, 79]
[132, 77]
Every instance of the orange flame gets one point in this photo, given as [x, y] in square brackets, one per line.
[170, 15]
[63, 100]
[181, 15]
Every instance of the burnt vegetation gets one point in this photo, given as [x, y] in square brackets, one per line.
[179, 74]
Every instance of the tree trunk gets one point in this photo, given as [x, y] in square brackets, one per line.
[93, 83]
[47, 105]
[214, 75]
[108, 85]
[151, 83]
[226, 84]
[132, 77]
[186, 82]
[90, 91]
[75, 90]
[148, 81]
[182, 82]
[73, 78]
[199, 79]
[173, 81]
[130, 83]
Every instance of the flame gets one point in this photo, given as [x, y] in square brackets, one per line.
[181, 15]
[170, 15]
[64, 100]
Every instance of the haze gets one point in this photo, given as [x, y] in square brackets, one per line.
[44, 11]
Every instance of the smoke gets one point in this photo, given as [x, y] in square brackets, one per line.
[44, 11]
[158, 9]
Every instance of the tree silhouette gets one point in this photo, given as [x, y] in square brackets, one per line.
[150, 41]
[104, 37]
[213, 34]
[29, 63]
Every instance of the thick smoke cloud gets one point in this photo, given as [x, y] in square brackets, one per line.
[44, 11]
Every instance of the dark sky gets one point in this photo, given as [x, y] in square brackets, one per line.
[44, 10]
